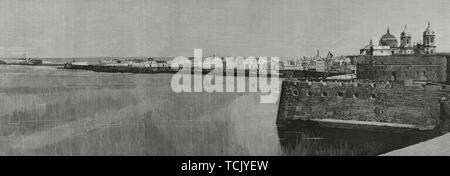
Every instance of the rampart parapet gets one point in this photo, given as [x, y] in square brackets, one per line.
[413, 102]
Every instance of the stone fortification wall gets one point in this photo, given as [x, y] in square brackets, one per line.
[380, 101]
[399, 68]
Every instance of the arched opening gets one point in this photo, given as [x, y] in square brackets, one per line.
[394, 76]
[294, 92]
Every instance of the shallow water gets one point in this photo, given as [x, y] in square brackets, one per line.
[46, 111]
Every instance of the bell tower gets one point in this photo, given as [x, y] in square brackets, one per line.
[428, 40]
[405, 39]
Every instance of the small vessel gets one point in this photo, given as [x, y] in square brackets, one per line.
[24, 61]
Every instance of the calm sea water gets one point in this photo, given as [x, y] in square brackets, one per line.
[46, 111]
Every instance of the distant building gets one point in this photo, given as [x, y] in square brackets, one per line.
[320, 66]
[291, 63]
[388, 44]
[159, 63]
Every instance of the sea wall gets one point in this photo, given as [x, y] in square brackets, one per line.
[363, 101]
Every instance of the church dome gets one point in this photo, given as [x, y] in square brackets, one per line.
[428, 30]
[388, 40]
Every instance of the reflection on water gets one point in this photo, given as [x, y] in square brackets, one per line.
[314, 140]
[45, 111]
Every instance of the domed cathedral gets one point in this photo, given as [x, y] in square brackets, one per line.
[388, 44]
[388, 40]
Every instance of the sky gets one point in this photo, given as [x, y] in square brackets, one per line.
[91, 28]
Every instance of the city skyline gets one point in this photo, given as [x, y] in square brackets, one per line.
[225, 28]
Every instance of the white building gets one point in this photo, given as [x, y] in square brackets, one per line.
[375, 50]
[320, 66]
